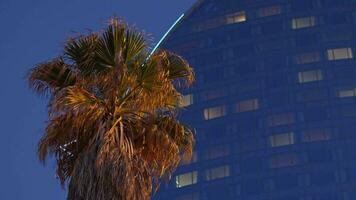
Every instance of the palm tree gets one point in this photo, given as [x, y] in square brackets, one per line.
[112, 111]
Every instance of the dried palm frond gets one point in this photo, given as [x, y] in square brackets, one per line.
[112, 124]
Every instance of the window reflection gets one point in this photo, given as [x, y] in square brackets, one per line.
[282, 139]
[283, 161]
[247, 105]
[217, 152]
[340, 54]
[347, 93]
[314, 135]
[308, 57]
[186, 179]
[303, 22]
[236, 17]
[187, 100]
[233, 18]
[214, 112]
[217, 173]
[280, 119]
[269, 11]
[310, 76]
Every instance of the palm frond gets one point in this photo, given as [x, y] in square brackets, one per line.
[112, 125]
[51, 76]
[81, 52]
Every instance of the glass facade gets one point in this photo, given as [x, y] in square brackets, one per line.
[274, 102]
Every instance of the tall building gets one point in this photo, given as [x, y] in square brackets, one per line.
[274, 104]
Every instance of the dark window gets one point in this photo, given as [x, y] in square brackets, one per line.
[315, 114]
[334, 2]
[280, 119]
[243, 50]
[319, 155]
[286, 182]
[279, 79]
[271, 27]
[337, 35]
[281, 161]
[322, 178]
[313, 95]
[336, 18]
[275, 62]
[245, 68]
[252, 164]
[303, 40]
[252, 187]
[302, 5]
[314, 135]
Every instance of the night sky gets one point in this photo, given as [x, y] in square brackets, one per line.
[34, 31]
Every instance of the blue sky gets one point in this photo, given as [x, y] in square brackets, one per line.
[33, 31]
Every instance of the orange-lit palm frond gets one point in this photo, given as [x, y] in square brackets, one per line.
[112, 124]
[51, 76]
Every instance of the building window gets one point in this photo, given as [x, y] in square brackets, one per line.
[314, 135]
[310, 76]
[282, 139]
[340, 54]
[280, 119]
[347, 93]
[218, 172]
[313, 95]
[192, 160]
[283, 161]
[217, 152]
[237, 17]
[269, 11]
[309, 57]
[303, 22]
[214, 94]
[187, 100]
[247, 105]
[208, 24]
[214, 112]
[186, 179]
[193, 196]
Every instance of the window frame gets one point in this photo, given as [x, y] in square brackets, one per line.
[194, 179]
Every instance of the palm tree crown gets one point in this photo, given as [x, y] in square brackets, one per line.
[112, 124]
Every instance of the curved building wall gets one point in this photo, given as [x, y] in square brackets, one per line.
[274, 103]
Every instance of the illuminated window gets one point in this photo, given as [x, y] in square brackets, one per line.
[310, 76]
[187, 100]
[193, 196]
[218, 172]
[269, 11]
[303, 22]
[217, 152]
[214, 112]
[340, 53]
[347, 93]
[283, 161]
[314, 135]
[280, 119]
[309, 57]
[237, 17]
[247, 105]
[186, 179]
[192, 160]
[282, 139]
